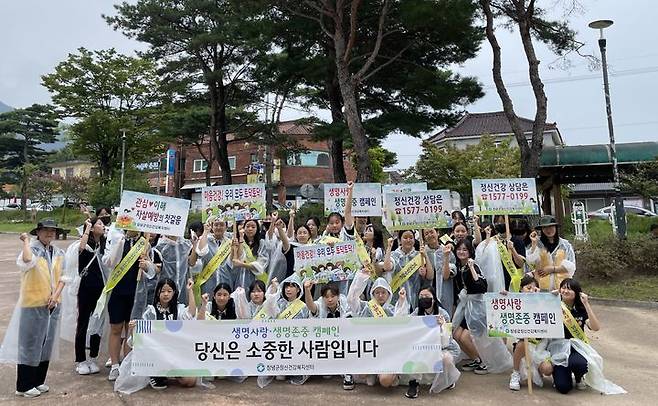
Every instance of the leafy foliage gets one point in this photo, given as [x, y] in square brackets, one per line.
[452, 168]
[642, 179]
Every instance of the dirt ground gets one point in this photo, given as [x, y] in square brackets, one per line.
[627, 343]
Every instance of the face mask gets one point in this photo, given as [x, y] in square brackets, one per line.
[266, 224]
[425, 302]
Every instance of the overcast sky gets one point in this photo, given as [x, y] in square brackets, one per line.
[37, 34]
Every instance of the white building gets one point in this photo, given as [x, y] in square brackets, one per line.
[472, 126]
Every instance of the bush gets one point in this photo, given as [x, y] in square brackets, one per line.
[611, 259]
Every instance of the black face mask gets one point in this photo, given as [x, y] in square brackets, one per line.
[425, 302]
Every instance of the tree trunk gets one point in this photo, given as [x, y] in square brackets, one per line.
[336, 106]
[217, 132]
[26, 161]
[269, 168]
[352, 116]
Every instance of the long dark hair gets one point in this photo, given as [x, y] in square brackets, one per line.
[550, 247]
[230, 305]
[173, 303]
[435, 305]
[469, 246]
[377, 237]
[91, 240]
[255, 244]
[256, 283]
[577, 290]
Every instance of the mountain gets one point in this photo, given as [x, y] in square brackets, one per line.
[5, 108]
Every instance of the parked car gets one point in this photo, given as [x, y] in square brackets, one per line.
[604, 213]
[11, 206]
[38, 206]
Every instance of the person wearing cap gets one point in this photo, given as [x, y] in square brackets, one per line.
[552, 257]
[32, 333]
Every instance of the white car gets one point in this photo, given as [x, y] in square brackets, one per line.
[40, 206]
[604, 213]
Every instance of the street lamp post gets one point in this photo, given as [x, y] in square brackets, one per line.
[123, 159]
[620, 213]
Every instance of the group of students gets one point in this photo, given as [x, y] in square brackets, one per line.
[110, 278]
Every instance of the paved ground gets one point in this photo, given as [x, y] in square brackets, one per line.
[627, 343]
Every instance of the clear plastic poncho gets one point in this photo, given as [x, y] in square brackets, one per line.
[563, 253]
[277, 266]
[444, 288]
[244, 309]
[243, 277]
[32, 335]
[275, 303]
[412, 285]
[174, 262]
[223, 274]
[360, 308]
[493, 351]
[488, 260]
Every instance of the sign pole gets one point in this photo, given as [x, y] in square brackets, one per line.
[528, 363]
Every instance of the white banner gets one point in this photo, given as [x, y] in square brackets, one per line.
[391, 345]
[416, 210]
[505, 196]
[325, 263]
[402, 188]
[524, 315]
[234, 202]
[366, 199]
[152, 213]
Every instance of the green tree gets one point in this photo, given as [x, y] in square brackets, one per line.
[391, 62]
[531, 22]
[642, 179]
[107, 92]
[380, 159]
[205, 49]
[42, 186]
[107, 194]
[21, 133]
[72, 189]
[452, 168]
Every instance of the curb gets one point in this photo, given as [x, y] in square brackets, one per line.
[638, 304]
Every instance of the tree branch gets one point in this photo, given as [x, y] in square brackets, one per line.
[353, 21]
[378, 43]
[390, 60]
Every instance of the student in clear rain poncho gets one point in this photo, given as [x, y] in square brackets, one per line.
[404, 254]
[428, 304]
[443, 262]
[88, 275]
[250, 308]
[330, 305]
[488, 260]
[283, 302]
[573, 355]
[127, 300]
[166, 306]
[277, 266]
[32, 337]
[249, 255]
[552, 257]
[379, 306]
[486, 354]
[214, 235]
[174, 252]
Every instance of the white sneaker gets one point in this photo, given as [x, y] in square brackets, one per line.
[82, 368]
[43, 388]
[515, 381]
[114, 373]
[108, 363]
[93, 368]
[581, 385]
[32, 393]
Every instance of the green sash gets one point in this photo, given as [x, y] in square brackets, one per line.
[119, 272]
[406, 272]
[261, 315]
[364, 257]
[508, 263]
[220, 256]
[251, 258]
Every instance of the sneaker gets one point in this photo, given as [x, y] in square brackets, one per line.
[114, 373]
[481, 370]
[471, 365]
[82, 368]
[348, 382]
[453, 386]
[515, 381]
[412, 391]
[108, 363]
[298, 379]
[43, 388]
[93, 368]
[581, 385]
[158, 383]
[32, 393]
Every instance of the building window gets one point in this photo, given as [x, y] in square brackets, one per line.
[310, 158]
[253, 158]
[69, 172]
[232, 162]
[56, 172]
[497, 143]
[200, 165]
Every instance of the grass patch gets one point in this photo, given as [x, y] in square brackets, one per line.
[633, 288]
[11, 221]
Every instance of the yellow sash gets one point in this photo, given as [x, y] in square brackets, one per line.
[376, 309]
[364, 257]
[220, 256]
[556, 278]
[510, 267]
[572, 325]
[292, 310]
[261, 315]
[406, 272]
[251, 258]
[119, 272]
